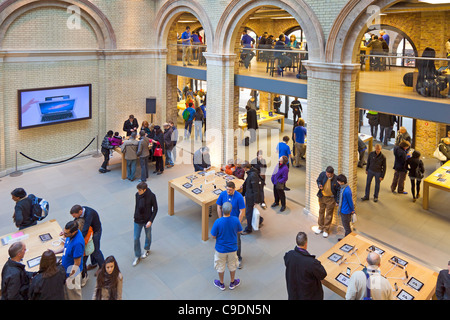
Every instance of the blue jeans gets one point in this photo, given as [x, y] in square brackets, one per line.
[370, 176]
[187, 129]
[131, 169]
[137, 241]
[198, 129]
[169, 157]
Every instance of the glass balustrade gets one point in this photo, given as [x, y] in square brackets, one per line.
[187, 55]
[285, 64]
[404, 76]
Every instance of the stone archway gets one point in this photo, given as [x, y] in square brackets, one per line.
[169, 12]
[239, 10]
[10, 10]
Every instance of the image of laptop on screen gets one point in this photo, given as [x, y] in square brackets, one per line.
[57, 108]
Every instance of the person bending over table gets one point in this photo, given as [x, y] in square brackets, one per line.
[202, 159]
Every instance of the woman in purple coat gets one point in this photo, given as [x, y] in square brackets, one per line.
[279, 178]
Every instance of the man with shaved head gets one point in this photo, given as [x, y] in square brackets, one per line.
[369, 278]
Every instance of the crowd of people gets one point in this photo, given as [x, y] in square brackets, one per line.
[236, 216]
[149, 143]
[268, 42]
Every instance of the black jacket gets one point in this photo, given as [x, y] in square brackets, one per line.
[160, 138]
[445, 149]
[412, 164]
[51, 288]
[251, 187]
[386, 120]
[22, 213]
[443, 285]
[335, 187]
[15, 281]
[376, 163]
[91, 219]
[168, 142]
[303, 275]
[400, 159]
[252, 120]
[127, 126]
[146, 207]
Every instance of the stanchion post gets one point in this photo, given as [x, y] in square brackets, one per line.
[97, 154]
[17, 172]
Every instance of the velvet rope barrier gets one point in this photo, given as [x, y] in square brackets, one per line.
[56, 162]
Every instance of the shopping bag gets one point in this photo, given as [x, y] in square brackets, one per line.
[255, 219]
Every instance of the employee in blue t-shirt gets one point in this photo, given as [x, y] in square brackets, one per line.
[72, 259]
[186, 41]
[299, 142]
[247, 42]
[283, 149]
[225, 230]
[236, 199]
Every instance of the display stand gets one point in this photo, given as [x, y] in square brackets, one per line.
[409, 279]
[203, 188]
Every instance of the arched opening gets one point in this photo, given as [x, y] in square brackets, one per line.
[184, 29]
[255, 57]
[389, 90]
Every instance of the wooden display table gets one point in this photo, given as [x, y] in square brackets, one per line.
[35, 246]
[263, 118]
[432, 181]
[367, 139]
[124, 162]
[206, 198]
[422, 278]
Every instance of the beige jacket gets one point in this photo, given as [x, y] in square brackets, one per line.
[380, 287]
[129, 149]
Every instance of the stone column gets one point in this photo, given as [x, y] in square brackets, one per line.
[2, 116]
[332, 126]
[165, 89]
[222, 107]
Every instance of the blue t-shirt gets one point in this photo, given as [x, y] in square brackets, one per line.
[236, 200]
[73, 249]
[225, 230]
[185, 38]
[300, 134]
[247, 41]
[283, 149]
[195, 38]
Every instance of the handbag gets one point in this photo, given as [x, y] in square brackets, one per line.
[89, 247]
[279, 186]
[158, 150]
[255, 219]
[439, 155]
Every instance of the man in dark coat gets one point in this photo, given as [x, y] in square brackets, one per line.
[252, 123]
[131, 125]
[386, 126]
[15, 280]
[144, 214]
[398, 182]
[251, 191]
[304, 272]
[91, 219]
[23, 217]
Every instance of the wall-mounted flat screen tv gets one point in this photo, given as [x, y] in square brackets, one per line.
[46, 106]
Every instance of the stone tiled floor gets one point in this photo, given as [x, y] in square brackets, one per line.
[180, 265]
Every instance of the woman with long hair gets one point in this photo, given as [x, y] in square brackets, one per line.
[49, 283]
[109, 281]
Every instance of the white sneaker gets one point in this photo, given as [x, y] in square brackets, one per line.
[84, 280]
[316, 229]
[145, 254]
[325, 234]
[135, 261]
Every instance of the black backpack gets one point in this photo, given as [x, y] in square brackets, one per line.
[39, 208]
